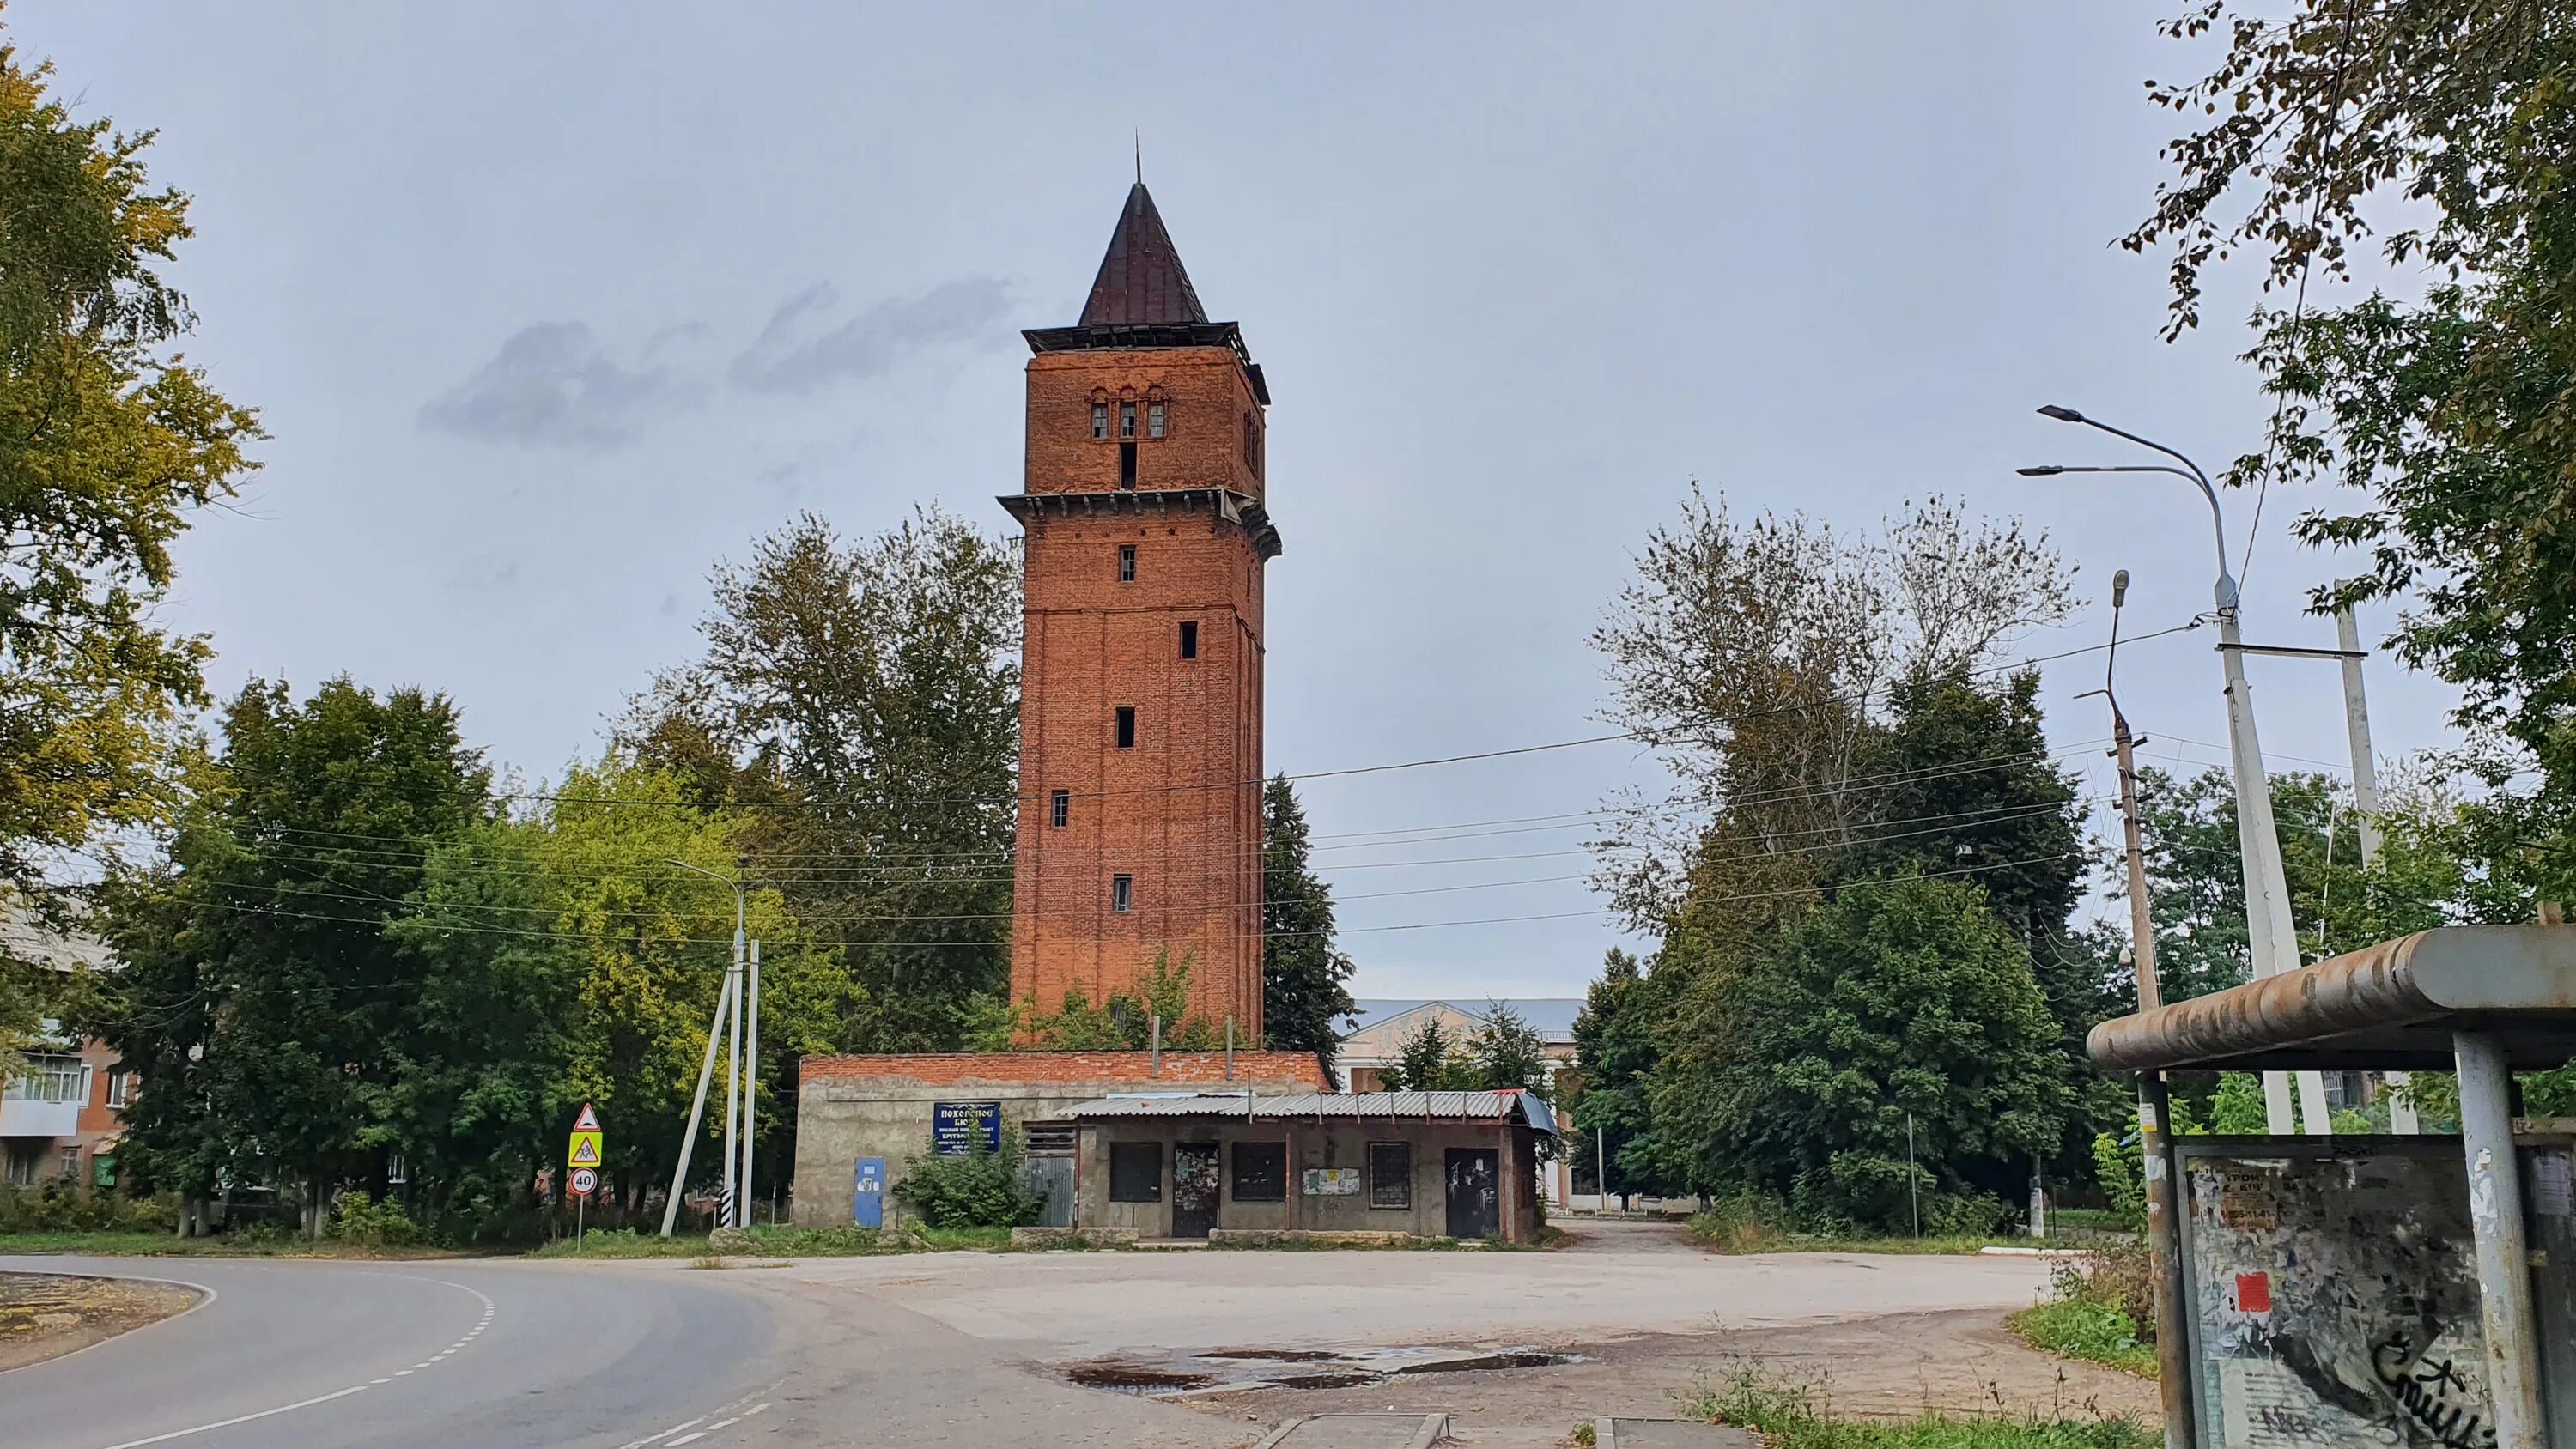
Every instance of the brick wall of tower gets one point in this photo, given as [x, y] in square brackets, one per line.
[1180, 812]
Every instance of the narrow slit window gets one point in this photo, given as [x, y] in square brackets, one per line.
[1060, 808]
[1189, 638]
[1153, 420]
[1126, 420]
[1100, 420]
[1126, 726]
[1122, 893]
[1126, 563]
[1127, 466]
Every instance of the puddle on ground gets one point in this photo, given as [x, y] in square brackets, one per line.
[1241, 1370]
[1126, 1379]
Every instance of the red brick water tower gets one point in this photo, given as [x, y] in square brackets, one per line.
[1140, 706]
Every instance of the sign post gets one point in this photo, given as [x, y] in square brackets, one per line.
[583, 1157]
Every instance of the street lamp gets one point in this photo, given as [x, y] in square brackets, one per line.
[731, 1002]
[2269, 928]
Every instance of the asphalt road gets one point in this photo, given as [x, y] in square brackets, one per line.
[463, 1354]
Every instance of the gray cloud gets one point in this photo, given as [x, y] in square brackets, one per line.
[552, 385]
[799, 350]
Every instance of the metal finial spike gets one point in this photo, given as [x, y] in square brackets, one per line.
[1140, 157]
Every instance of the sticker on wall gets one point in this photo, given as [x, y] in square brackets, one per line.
[2253, 1292]
[1332, 1182]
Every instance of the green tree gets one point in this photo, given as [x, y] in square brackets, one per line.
[567, 960]
[2450, 414]
[1615, 1054]
[1305, 991]
[260, 992]
[863, 702]
[1967, 786]
[1794, 1074]
[1505, 1053]
[109, 443]
[1430, 1060]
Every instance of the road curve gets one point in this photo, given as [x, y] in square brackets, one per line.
[442, 1352]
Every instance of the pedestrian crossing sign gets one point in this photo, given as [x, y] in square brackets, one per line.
[585, 1149]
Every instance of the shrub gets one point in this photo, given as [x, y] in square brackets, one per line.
[2120, 1166]
[360, 1219]
[1743, 1223]
[1965, 1215]
[982, 1189]
[55, 1206]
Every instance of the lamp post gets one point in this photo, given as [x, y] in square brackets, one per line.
[729, 1005]
[2270, 931]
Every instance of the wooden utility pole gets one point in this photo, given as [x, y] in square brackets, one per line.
[2155, 1162]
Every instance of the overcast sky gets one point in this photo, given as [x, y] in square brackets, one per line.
[549, 307]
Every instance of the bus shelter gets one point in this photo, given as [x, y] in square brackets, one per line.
[2415, 1290]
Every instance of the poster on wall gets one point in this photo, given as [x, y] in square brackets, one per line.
[1332, 1182]
[960, 1129]
[2336, 1300]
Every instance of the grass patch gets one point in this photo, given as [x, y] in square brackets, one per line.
[229, 1245]
[2081, 1328]
[1798, 1415]
[782, 1242]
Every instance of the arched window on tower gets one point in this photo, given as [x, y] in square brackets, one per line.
[1252, 443]
[1153, 419]
[1099, 421]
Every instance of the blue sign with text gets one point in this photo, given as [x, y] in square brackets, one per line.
[958, 1129]
[867, 1203]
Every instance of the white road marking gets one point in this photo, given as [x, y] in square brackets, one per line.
[489, 1308]
[665, 1434]
[722, 1424]
[688, 1438]
[243, 1419]
[754, 1409]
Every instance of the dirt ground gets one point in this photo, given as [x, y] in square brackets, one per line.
[1651, 1316]
[1964, 1360]
[47, 1315]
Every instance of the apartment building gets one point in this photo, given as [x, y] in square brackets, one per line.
[63, 1110]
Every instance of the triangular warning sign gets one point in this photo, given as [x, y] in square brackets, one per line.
[585, 1151]
[588, 1121]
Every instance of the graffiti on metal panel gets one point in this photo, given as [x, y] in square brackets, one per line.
[2433, 1394]
[2337, 1303]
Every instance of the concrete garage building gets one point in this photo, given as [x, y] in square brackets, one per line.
[1424, 1164]
[886, 1109]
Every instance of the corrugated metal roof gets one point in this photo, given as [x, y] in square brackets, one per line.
[1431, 1106]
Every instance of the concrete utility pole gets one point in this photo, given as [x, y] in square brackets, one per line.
[2154, 1160]
[2365, 804]
[750, 1080]
[2270, 931]
[729, 1006]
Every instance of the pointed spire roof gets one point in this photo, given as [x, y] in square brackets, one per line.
[1141, 281]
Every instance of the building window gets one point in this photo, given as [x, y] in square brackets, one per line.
[1126, 726]
[21, 1167]
[1252, 443]
[1153, 420]
[1126, 563]
[1189, 638]
[1060, 808]
[120, 1089]
[1126, 420]
[1100, 420]
[50, 1079]
[1127, 466]
[71, 1163]
[1122, 893]
[1135, 1172]
[1261, 1172]
[1390, 1174]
